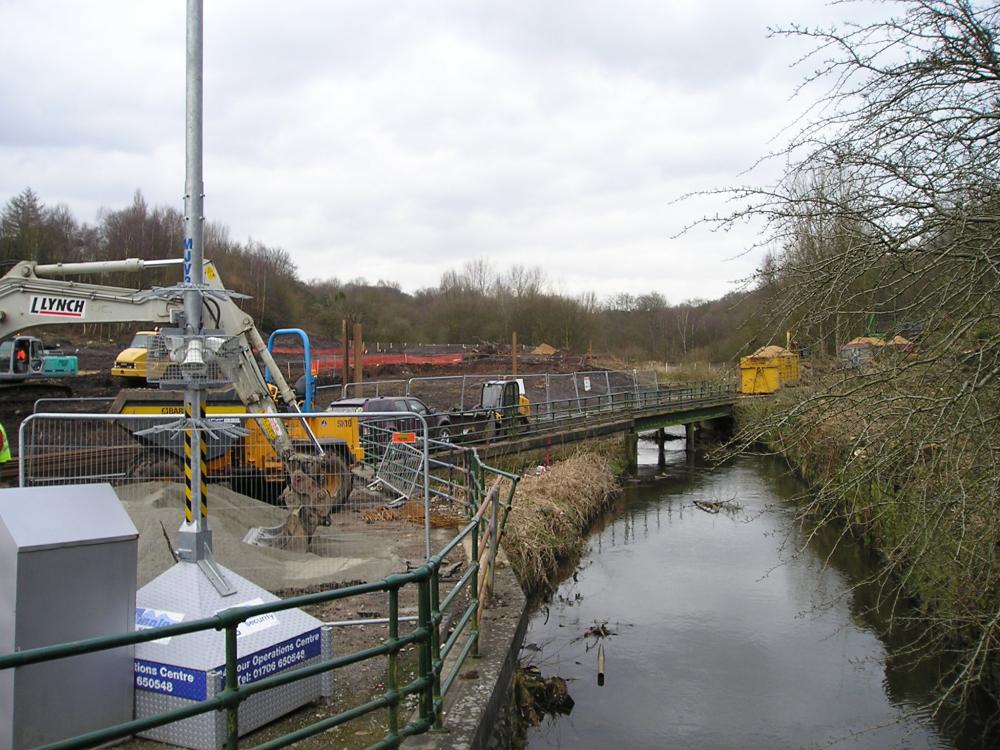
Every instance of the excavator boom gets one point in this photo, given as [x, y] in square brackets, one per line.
[34, 295]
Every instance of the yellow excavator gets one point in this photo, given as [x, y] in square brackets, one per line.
[310, 459]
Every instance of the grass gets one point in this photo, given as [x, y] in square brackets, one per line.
[551, 514]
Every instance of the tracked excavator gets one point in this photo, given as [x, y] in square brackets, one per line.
[315, 483]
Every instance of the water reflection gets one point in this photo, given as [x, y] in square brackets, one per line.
[723, 635]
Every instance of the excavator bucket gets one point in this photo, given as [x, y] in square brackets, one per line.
[316, 489]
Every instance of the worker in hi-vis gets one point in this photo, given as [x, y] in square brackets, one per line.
[4, 445]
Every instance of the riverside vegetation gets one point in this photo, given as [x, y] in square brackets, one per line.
[921, 490]
[885, 219]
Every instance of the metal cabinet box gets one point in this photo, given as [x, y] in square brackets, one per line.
[67, 572]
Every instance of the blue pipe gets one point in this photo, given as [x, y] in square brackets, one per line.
[310, 378]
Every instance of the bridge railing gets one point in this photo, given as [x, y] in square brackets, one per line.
[588, 408]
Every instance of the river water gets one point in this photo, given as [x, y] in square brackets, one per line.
[723, 635]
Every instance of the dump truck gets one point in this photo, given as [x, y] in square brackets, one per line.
[130, 365]
[311, 460]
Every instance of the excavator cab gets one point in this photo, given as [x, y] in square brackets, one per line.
[21, 356]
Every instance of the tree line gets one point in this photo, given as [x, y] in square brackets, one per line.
[476, 303]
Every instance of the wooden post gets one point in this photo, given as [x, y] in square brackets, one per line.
[345, 363]
[359, 356]
[513, 353]
[661, 456]
[689, 437]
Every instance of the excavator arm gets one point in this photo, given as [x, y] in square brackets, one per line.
[32, 295]
[35, 295]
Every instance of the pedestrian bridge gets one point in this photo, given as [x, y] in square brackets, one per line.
[563, 408]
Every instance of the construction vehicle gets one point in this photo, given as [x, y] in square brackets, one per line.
[131, 363]
[507, 401]
[503, 410]
[315, 483]
[24, 360]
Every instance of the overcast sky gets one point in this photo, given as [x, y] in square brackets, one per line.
[396, 140]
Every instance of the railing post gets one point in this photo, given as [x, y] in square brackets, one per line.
[392, 682]
[548, 399]
[437, 665]
[232, 686]
[424, 665]
[474, 588]
[494, 532]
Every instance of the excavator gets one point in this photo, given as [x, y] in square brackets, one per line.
[315, 484]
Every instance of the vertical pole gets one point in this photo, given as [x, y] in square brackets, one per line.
[194, 188]
[631, 451]
[494, 534]
[232, 686]
[661, 456]
[513, 354]
[427, 486]
[359, 356]
[474, 580]
[424, 666]
[194, 225]
[436, 664]
[392, 682]
[345, 365]
[689, 437]
[548, 398]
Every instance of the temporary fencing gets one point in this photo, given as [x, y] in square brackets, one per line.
[247, 486]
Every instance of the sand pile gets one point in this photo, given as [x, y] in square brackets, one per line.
[157, 509]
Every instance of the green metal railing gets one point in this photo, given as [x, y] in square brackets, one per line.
[488, 514]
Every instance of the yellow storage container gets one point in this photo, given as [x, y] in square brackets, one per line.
[760, 374]
[789, 368]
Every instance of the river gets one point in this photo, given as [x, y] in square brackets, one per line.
[723, 634]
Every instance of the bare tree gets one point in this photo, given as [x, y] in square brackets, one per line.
[890, 207]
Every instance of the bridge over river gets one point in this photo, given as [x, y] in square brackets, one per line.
[562, 408]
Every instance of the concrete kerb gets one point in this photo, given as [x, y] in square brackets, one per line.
[476, 698]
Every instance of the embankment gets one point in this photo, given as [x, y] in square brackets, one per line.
[553, 509]
[940, 553]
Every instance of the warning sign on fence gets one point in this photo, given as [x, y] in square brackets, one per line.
[404, 437]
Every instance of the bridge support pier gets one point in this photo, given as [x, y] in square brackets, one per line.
[689, 437]
[661, 440]
[631, 452]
